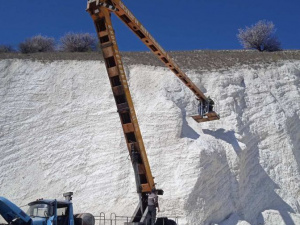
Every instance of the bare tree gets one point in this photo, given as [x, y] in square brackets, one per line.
[6, 48]
[260, 36]
[37, 43]
[81, 42]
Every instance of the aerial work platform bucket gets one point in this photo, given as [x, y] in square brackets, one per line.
[206, 111]
[207, 117]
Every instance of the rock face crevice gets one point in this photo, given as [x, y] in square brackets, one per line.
[60, 131]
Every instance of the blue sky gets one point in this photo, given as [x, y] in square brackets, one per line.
[175, 24]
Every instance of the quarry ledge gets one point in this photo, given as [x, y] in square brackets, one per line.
[196, 59]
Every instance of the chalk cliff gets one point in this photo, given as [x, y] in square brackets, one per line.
[59, 132]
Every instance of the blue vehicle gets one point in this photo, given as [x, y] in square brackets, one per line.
[44, 212]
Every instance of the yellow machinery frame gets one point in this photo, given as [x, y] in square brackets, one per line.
[100, 11]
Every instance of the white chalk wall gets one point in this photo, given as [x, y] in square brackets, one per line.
[59, 132]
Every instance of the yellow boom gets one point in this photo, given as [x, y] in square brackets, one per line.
[100, 11]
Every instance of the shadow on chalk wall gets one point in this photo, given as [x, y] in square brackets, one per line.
[293, 124]
[227, 136]
[186, 130]
[243, 188]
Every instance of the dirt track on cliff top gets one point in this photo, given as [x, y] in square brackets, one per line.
[198, 59]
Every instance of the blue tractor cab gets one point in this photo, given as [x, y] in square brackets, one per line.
[51, 212]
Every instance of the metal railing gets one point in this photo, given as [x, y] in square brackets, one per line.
[114, 219]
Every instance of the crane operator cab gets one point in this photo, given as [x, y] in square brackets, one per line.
[206, 111]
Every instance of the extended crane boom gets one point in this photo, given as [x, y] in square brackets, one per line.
[100, 11]
[124, 14]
